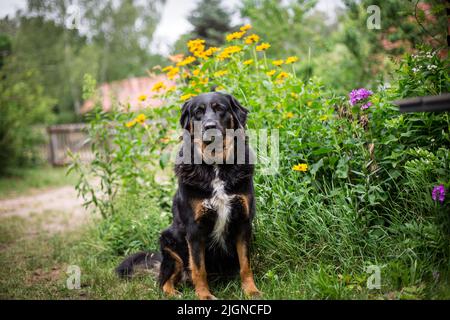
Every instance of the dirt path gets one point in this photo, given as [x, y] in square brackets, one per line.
[59, 209]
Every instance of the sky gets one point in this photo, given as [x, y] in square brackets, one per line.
[173, 20]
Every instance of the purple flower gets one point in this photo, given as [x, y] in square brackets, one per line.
[438, 193]
[359, 95]
[366, 106]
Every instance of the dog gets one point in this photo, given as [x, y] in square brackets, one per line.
[214, 204]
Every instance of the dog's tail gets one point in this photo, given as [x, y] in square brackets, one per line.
[150, 261]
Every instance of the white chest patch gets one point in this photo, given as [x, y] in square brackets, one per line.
[221, 203]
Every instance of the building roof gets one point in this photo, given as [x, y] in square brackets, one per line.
[127, 92]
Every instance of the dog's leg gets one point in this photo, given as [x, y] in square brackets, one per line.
[171, 267]
[198, 270]
[248, 283]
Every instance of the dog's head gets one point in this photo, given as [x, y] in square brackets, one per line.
[213, 110]
[214, 121]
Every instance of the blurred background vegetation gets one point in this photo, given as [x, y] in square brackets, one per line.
[43, 57]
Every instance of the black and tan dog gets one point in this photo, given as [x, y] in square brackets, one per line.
[213, 207]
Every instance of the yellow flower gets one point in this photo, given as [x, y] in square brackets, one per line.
[292, 59]
[207, 53]
[171, 89]
[294, 95]
[220, 73]
[270, 73]
[220, 88]
[323, 118]
[245, 27]
[197, 45]
[300, 167]
[130, 123]
[247, 62]
[289, 115]
[263, 46]
[234, 35]
[142, 97]
[309, 103]
[277, 62]
[158, 86]
[173, 72]
[196, 72]
[228, 51]
[186, 61]
[211, 50]
[283, 75]
[253, 38]
[140, 118]
[203, 81]
[186, 96]
[168, 68]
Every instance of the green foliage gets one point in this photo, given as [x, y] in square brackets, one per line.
[23, 104]
[365, 198]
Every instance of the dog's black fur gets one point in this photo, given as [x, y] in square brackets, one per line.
[187, 246]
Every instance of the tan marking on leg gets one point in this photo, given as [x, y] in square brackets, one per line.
[198, 208]
[244, 198]
[198, 276]
[248, 284]
[169, 286]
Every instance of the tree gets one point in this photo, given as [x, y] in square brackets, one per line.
[23, 104]
[211, 22]
[112, 42]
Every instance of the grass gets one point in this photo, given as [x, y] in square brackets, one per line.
[34, 264]
[29, 180]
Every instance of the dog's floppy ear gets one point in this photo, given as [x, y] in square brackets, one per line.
[238, 111]
[185, 117]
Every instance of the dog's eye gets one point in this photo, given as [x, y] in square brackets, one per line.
[199, 112]
[219, 107]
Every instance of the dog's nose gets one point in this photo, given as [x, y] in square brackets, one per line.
[210, 125]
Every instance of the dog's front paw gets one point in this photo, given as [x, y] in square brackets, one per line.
[206, 296]
[253, 293]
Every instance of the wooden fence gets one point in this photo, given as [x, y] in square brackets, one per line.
[65, 137]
